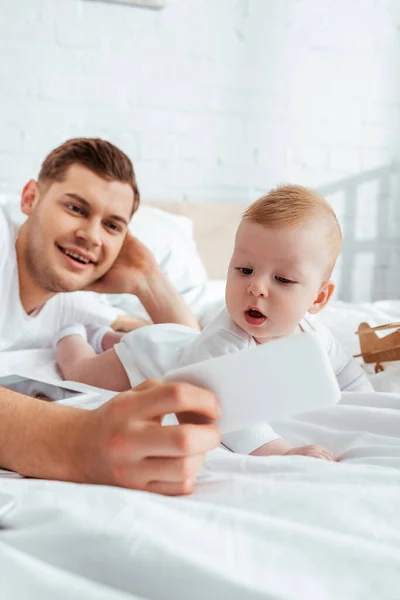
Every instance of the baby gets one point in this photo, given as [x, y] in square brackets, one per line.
[285, 249]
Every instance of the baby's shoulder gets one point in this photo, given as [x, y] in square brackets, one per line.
[310, 325]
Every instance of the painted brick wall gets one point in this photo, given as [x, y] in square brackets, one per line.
[217, 100]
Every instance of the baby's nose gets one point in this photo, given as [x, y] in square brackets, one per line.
[257, 289]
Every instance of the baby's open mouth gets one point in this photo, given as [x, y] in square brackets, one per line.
[253, 316]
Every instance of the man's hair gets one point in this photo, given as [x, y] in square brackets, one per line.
[293, 205]
[99, 156]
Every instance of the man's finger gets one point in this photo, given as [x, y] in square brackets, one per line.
[147, 384]
[158, 400]
[171, 469]
[171, 488]
[154, 440]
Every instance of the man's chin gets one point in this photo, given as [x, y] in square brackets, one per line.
[69, 283]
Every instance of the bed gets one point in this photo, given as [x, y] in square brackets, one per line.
[278, 527]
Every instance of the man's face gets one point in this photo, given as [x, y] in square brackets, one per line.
[75, 229]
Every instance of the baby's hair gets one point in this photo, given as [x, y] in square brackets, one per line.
[293, 205]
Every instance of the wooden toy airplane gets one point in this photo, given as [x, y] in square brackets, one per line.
[378, 350]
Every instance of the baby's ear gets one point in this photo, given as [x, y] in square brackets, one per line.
[325, 293]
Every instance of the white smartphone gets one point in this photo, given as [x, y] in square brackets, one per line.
[285, 377]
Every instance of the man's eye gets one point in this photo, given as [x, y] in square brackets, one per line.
[283, 280]
[76, 209]
[113, 227]
[245, 270]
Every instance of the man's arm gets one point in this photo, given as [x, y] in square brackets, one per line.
[136, 271]
[121, 443]
[37, 438]
[163, 302]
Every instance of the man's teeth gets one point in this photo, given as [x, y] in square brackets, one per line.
[76, 256]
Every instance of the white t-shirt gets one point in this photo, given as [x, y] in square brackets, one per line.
[20, 331]
[154, 350]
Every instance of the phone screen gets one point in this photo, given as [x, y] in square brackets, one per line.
[36, 389]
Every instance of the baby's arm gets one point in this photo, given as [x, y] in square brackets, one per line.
[281, 448]
[125, 323]
[110, 338]
[353, 378]
[261, 440]
[78, 362]
[350, 376]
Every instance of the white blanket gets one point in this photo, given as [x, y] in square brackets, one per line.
[277, 527]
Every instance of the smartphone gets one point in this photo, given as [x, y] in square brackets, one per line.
[37, 389]
[272, 381]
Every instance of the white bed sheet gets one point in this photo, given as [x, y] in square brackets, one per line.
[278, 527]
[288, 528]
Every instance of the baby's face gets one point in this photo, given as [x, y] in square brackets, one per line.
[275, 275]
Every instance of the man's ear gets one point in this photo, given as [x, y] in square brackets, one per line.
[29, 197]
[323, 298]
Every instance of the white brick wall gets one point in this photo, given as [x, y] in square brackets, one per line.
[214, 100]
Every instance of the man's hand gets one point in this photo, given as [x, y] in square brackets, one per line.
[123, 442]
[314, 451]
[134, 264]
[136, 271]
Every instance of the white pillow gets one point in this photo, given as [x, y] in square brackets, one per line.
[12, 204]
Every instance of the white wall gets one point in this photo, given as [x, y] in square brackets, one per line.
[215, 100]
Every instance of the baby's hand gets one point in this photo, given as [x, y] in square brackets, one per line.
[314, 451]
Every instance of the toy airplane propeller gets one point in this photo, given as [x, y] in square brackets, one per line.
[378, 350]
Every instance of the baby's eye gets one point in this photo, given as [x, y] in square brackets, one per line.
[245, 270]
[283, 280]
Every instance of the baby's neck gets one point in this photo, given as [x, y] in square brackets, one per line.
[297, 329]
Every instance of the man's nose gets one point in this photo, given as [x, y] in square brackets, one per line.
[90, 232]
[258, 289]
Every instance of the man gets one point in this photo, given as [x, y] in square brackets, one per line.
[76, 238]
[77, 229]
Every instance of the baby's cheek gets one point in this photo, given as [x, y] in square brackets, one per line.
[230, 294]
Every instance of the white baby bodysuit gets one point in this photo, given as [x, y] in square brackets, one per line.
[154, 350]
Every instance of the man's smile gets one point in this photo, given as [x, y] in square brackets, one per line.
[77, 257]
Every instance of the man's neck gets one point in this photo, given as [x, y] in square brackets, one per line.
[32, 296]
